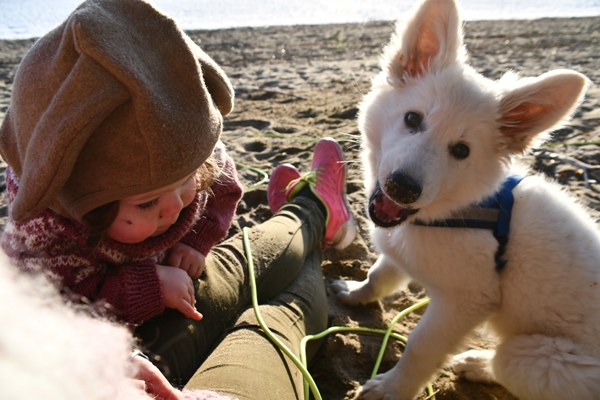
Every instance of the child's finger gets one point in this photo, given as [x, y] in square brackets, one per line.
[174, 259]
[155, 382]
[195, 271]
[191, 294]
[186, 309]
[184, 265]
[140, 384]
[197, 266]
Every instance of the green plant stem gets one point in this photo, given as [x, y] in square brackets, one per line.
[264, 326]
[264, 180]
[302, 363]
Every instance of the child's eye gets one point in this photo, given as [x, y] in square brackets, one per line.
[148, 205]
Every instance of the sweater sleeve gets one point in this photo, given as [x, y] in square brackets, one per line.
[134, 291]
[218, 213]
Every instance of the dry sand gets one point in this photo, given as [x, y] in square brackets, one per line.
[296, 84]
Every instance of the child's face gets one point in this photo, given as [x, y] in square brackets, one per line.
[151, 214]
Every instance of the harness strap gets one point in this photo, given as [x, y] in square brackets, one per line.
[493, 213]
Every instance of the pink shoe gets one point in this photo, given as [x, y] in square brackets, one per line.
[327, 181]
[279, 182]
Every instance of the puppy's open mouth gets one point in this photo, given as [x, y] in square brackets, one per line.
[384, 212]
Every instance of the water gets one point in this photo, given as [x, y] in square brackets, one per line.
[20, 19]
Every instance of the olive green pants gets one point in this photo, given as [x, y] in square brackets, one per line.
[227, 351]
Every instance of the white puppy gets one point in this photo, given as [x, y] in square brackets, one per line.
[49, 351]
[438, 139]
[52, 351]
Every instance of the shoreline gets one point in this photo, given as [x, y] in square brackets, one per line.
[375, 21]
[17, 46]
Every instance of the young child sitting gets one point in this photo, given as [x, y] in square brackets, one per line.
[119, 189]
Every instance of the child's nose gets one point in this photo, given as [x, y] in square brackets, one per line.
[172, 206]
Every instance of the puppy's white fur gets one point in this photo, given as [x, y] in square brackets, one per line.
[545, 304]
[49, 351]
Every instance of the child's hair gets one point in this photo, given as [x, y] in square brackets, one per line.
[101, 218]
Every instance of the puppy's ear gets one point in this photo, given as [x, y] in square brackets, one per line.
[538, 105]
[429, 41]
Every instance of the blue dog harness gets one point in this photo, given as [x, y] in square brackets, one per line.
[493, 214]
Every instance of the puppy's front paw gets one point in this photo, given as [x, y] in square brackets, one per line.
[475, 365]
[381, 387]
[349, 292]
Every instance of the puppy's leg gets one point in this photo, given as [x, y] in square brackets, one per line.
[537, 367]
[383, 279]
[475, 365]
[446, 322]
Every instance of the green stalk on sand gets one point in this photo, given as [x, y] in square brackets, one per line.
[302, 362]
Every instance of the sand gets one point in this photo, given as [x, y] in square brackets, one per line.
[296, 84]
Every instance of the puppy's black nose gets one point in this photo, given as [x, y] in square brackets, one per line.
[402, 188]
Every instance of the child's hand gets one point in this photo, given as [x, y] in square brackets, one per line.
[186, 258]
[178, 291]
[151, 380]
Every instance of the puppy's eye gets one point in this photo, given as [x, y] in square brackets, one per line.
[460, 151]
[412, 119]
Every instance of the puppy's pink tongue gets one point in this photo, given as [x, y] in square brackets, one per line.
[389, 207]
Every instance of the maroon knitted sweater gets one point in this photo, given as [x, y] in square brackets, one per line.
[122, 275]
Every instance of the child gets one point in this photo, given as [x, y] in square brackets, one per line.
[119, 189]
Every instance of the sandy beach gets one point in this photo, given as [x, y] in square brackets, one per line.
[295, 84]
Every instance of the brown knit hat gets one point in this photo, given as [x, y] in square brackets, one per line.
[115, 102]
